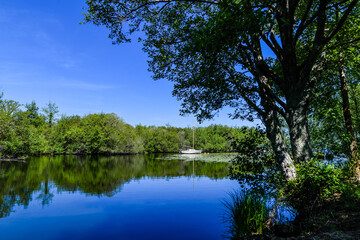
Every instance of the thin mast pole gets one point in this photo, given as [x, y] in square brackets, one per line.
[193, 134]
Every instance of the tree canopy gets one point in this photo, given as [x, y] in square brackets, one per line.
[27, 132]
[263, 58]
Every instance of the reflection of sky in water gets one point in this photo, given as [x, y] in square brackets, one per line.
[149, 208]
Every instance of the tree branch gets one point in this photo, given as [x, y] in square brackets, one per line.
[343, 44]
[275, 48]
[275, 42]
[341, 21]
[266, 93]
[318, 39]
[242, 91]
[153, 2]
[303, 24]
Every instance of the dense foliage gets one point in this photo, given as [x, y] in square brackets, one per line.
[315, 183]
[327, 123]
[30, 132]
[264, 59]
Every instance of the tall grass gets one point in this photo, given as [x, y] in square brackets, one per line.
[245, 214]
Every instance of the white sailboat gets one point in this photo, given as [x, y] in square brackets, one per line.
[191, 150]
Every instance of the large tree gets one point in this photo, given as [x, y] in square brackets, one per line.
[331, 101]
[50, 111]
[260, 57]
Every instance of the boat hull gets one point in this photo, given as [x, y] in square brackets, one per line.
[190, 151]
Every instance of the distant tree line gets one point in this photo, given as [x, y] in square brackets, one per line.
[27, 130]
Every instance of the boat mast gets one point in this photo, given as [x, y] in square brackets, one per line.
[193, 134]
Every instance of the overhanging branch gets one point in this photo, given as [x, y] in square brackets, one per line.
[341, 21]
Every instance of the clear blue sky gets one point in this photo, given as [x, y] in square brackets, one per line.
[46, 55]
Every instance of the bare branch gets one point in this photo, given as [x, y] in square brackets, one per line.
[272, 47]
[267, 93]
[162, 8]
[275, 42]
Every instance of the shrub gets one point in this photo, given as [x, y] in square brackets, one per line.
[315, 183]
[255, 163]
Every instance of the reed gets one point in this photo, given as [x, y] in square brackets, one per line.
[245, 214]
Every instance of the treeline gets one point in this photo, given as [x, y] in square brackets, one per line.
[27, 130]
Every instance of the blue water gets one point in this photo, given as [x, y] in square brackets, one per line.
[164, 203]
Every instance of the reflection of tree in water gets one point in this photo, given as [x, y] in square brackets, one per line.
[100, 176]
[14, 187]
[45, 196]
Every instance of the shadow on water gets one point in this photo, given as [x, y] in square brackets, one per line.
[40, 177]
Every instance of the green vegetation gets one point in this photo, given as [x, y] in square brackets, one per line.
[291, 64]
[253, 159]
[325, 197]
[316, 183]
[30, 132]
[245, 215]
[264, 59]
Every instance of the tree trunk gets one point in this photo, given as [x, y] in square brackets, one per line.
[356, 109]
[349, 123]
[273, 132]
[299, 133]
[356, 125]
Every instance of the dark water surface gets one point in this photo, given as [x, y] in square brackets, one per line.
[122, 197]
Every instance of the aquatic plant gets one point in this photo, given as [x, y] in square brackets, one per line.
[245, 214]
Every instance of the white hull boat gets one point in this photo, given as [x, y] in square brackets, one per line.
[190, 151]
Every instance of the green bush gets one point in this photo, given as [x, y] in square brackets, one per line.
[350, 193]
[315, 183]
[255, 163]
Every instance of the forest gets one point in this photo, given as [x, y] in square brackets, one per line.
[25, 129]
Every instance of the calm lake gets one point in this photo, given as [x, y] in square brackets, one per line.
[118, 197]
